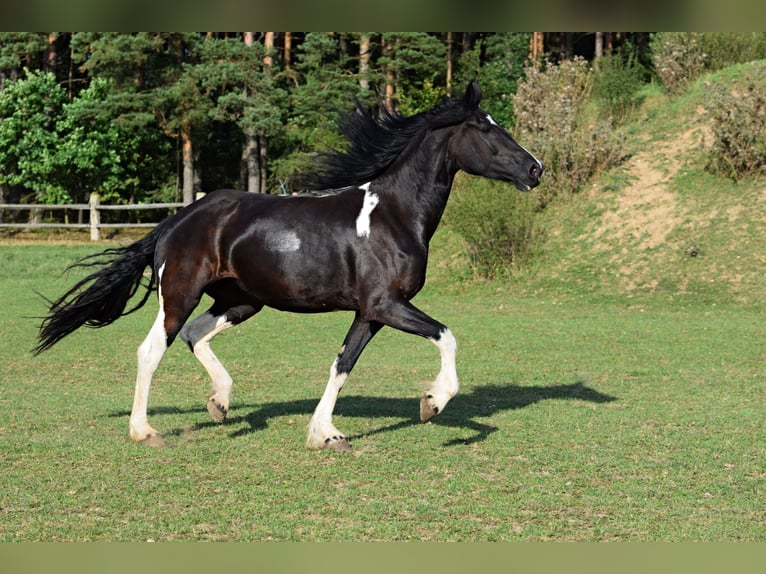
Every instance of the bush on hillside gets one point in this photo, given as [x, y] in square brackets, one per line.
[739, 126]
[726, 49]
[678, 59]
[497, 223]
[552, 121]
[616, 86]
[682, 57]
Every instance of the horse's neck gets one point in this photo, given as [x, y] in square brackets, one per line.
[422, 183]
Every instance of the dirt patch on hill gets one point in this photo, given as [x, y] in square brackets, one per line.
[641, 217]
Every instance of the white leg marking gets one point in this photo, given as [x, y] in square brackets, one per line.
[198, 334]
[369, 203]
[150, 354]
[321, 429]
[446, 385]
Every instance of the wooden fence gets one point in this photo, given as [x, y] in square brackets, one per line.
[94, 208]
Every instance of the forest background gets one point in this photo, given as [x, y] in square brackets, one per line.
[141, 117]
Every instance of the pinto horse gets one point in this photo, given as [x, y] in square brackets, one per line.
[357, 242]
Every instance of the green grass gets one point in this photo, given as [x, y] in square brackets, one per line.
[612, 390]
[579, 418]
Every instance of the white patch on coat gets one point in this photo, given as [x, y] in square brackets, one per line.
[283, 241]
[369, 203]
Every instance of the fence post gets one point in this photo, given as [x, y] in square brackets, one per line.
[95, 217]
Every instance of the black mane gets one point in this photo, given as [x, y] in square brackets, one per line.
[374, 143]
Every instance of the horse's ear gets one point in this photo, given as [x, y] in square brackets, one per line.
[472, 95]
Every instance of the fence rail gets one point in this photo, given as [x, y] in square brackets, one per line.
[94, 209]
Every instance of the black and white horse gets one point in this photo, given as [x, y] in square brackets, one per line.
[360, 245]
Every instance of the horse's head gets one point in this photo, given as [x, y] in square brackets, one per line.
[482, 147]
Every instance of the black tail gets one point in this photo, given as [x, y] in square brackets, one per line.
[101, 298]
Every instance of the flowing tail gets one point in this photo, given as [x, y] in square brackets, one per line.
[101, 298]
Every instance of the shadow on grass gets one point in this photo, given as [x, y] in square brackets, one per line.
[462, 412]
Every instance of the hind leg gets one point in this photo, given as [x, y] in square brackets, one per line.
[174, 309]
[149, 356]
[198, 334]
[150, 353]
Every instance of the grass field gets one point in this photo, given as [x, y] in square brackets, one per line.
[578, 419]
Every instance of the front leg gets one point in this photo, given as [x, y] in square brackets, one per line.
[404, 316]
[446, 385]
[322, 432]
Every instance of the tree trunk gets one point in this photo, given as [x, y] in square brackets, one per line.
[599, 49]
[187, 155]
[50, 54]
[388, 100]
[251, 171]
[263, 174]
[364, 61]
[537, 45]
[288, 50]
[197, 179]
[449, 63]
[268, 42]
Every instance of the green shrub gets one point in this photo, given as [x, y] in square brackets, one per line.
[739, 126]
[552, 121]
[616, 86]
[497, 223]
[725, 49]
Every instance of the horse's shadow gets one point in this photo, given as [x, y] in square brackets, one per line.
[479, 402]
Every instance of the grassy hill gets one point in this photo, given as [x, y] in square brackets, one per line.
[660, 224]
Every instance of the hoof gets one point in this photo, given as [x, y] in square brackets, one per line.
[339, 444]
[217, 411]
[154, 441]
[427, 410]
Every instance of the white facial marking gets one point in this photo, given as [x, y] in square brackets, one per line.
[369, 203]
[539, 163]
[491, 120]
[283, 241]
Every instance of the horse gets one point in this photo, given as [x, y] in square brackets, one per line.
[356, 239]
